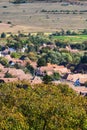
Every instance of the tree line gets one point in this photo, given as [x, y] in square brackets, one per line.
[25, 1]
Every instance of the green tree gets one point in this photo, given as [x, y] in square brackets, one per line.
[68, 32]
[8, 75]
[19, 1]
[15, 55]
[53, 57]
[30, 69]
[47, 79]
[84, 58]
[3, 35]
[86, 84]
[56, 76]
[84, 31]
[3, 61]
[41, 62]
[66, 58]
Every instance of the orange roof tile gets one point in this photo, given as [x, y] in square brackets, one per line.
[74, 77]
[54, 68]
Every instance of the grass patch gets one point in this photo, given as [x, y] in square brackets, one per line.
[71, 39]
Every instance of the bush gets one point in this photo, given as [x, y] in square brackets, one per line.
[19, 1]
[15, 55]
[41, 62]
[32, 56]
[8, 22]
[3, 35]
[84, 31]
[86, 84]
[56, 76]
[30, 69]
[68, 32]
[3, 61]
[47, 79]
[8, 75]
[84, 59]
[4, 6]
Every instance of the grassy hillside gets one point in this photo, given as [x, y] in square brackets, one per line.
[42, 17]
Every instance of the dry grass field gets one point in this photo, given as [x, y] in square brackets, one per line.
[30, 18]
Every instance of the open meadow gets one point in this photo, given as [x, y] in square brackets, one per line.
[71, 39]
[42, 17]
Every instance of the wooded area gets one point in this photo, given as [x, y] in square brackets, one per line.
[41, 107]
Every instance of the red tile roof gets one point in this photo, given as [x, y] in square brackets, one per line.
[74, 77]
[6, 80]
[19, 74]
[50, 68]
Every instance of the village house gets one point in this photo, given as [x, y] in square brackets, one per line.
[36, 80]
[7, 80]
[11, 50]
[51, 68]
[23, 49]
[81, 90]
[14, 61]
[73, 77]
[16, 73]
[7, 51]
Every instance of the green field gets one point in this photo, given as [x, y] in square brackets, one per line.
[71, 39]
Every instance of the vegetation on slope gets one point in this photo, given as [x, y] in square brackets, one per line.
[43, 107]
[24, 1]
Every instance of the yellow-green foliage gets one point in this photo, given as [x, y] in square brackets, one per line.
[41, 107]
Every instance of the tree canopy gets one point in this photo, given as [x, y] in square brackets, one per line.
[43, 107]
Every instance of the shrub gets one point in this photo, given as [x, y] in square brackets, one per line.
[15, 55]
[8, 75]
[68, 32]
[3, 35]
[19, 1]
[32, 56]
[47, 79]
[30, 69]
[3, 61]
[4, 6]
[86, 84]
[8, 22]
[56, 76]
[41, 62]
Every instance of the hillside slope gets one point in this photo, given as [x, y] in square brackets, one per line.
[42, 16]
